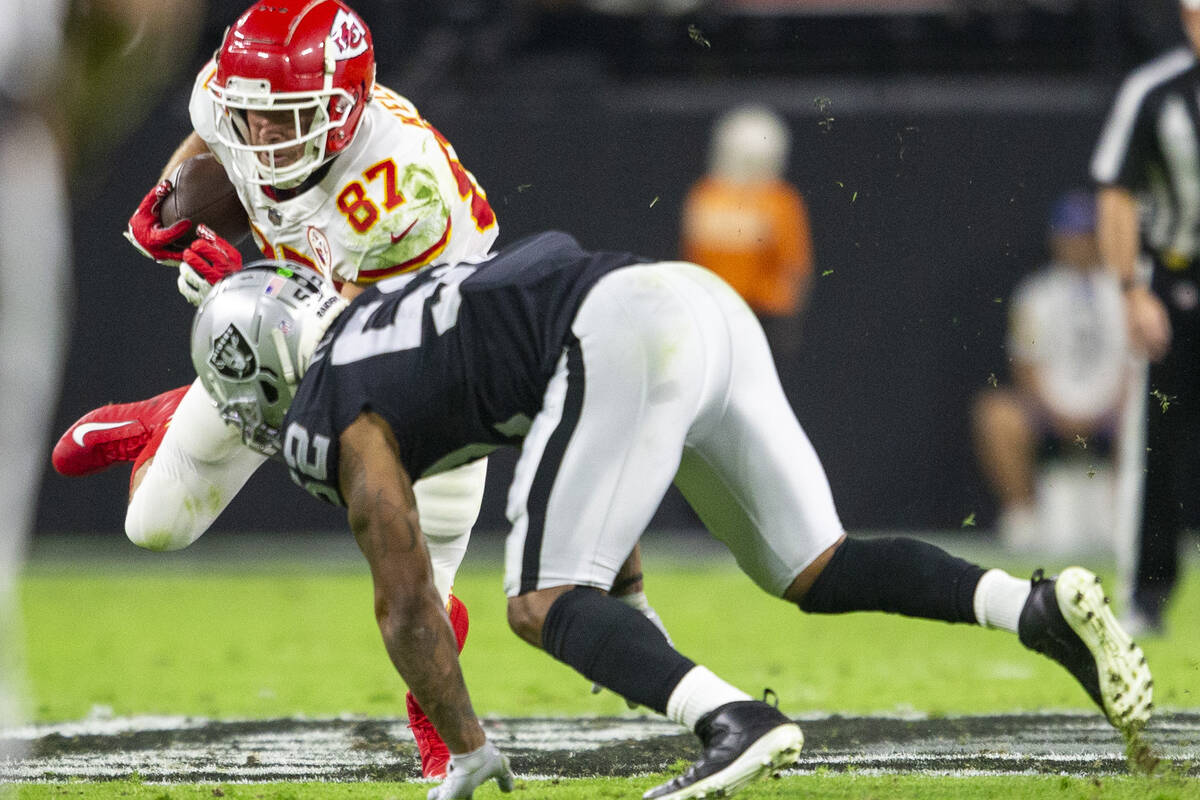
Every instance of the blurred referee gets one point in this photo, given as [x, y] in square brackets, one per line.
[1147, 168]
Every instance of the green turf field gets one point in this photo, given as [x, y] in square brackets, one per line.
[810, 787]
[264, 639]
[261, 641]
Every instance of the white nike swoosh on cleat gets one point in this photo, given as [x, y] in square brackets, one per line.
[91, 427]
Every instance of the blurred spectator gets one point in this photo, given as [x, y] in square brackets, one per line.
[34, 253]
[69, 75]
[746, 223]
[1068, 352]
[1147, 165]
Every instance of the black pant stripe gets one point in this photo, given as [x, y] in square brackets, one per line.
[547, 470]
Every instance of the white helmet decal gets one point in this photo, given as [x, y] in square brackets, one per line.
[347, 35]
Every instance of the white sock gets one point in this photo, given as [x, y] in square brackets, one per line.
[999, 598]
[698, 693]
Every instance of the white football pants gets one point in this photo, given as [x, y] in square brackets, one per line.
[669, 379]
[202, 464]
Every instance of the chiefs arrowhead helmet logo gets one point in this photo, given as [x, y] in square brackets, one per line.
[348, 35]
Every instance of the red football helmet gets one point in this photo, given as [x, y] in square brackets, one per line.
[312, 58]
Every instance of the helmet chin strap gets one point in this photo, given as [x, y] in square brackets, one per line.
[285, 359]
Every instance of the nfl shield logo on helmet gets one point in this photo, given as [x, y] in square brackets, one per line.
[232, 355]
[347, 35]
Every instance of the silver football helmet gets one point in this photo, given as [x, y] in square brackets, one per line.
[252, 340]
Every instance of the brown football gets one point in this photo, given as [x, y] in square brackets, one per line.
[202, 193]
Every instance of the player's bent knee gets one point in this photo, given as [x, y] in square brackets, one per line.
[160, 519]
[523, 622]
[199, 467]
[142, 530]
[167, 512]
[527, 612]
[803, 582]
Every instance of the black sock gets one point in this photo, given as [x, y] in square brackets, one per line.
[615, 646]
[896, 575]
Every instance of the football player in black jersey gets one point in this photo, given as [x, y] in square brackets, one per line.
[616, 377]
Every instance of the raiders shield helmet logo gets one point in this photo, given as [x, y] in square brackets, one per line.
[232, 356]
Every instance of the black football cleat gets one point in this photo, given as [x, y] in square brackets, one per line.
[743, 741]
[1069, 620]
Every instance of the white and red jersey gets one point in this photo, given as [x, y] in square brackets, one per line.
[395, 200]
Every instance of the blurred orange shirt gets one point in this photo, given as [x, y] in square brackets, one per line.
[755, 236]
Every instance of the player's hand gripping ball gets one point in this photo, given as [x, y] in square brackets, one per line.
[147, 233]
[206, 261]
[204, 194]
[198, 192]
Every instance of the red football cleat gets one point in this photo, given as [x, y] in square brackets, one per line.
[434, 753]
[112, 433]
[459, 620]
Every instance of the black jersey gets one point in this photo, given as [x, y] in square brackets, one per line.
[1150, 145]
[455, 358]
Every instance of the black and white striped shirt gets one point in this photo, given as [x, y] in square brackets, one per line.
[1150, 145]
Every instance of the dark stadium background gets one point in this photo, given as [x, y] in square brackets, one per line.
[929, 145]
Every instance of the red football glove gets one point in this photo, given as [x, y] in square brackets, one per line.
[205, 262]
[146, 233]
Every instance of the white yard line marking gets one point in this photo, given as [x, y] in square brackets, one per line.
[186, 749]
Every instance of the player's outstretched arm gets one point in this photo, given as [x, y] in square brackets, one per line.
[415, 628]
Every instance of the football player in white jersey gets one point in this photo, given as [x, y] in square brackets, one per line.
[335, 172]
